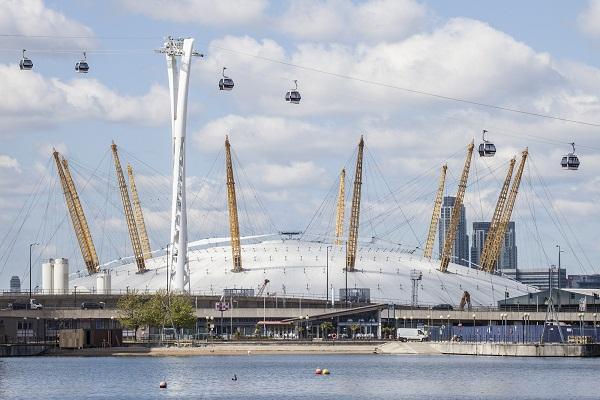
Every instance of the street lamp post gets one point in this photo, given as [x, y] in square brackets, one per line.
[75, 296]
[474, 337]
[558, 277]
[449, 328]
[581, 315]
[327, 278]
[30, 246]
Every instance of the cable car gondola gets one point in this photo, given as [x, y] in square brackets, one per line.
[293, 96]
[82, 66]
[487, 148]
[25, 63]
[226, 83]
[570, 161]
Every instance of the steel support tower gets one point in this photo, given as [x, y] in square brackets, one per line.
[179, 79]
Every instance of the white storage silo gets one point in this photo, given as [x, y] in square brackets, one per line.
[103, 282]
[61, 275]
[47, 277]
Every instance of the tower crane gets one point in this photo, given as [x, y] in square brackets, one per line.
[131, 226]
[341, 205]
[234, 225]
[485, 258]
[355, 211]
[498, 238]
[139, 216]
[262, 288]
[435, 218]
[80, 225]
[455, 217]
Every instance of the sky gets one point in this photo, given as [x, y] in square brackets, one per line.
[353, 62]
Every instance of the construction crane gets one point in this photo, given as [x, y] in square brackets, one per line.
[341, 205]
[355, 211]
[498, 238]
[131, 226]
[139, 216]
[234, 225]
[465, 300]
[80, 225]
[485, 258]
[455, 217]
[435, 218]
[262, 288]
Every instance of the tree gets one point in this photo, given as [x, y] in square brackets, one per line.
[166, 308]
[132, 311]
[326, 327]
[354, 328]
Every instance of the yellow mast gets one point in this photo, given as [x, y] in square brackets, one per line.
[234, 225]
[506, 214]
[455, 218]
[485, 259]
[131, 227]
[139, 216]
[355, 211]
[435, 218]
[80, 226]
[341, 205]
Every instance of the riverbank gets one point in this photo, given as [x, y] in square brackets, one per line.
[224, 349]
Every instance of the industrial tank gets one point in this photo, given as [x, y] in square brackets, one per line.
[47, 277]
[61, 276]
[103, 282]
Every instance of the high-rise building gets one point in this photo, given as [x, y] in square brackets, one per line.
[15, 284]
[508, 252]
[460, 252]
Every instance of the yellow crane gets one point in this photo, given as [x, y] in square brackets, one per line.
[139, 216]
[131, 226]
[234, 225]
[355, 211]
[506, 214]
[435, 218]
[455, 217]
[485, 258]
[341, 205]
[80, 225]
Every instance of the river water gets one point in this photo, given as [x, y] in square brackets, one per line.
[292, 377]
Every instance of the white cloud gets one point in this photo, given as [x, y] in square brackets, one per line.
[589, 19]
[7, 162]
[57, 101]
[201, 12]
[296, 173]
[32, 18]
[346, 21]
[463, 58]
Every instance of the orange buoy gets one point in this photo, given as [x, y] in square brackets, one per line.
[325, 371]
[318, 371]
[162, 384]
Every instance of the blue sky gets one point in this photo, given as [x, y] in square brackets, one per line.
[538, 56]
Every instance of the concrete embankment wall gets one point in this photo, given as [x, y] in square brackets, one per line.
[519, 350]
[19, 350]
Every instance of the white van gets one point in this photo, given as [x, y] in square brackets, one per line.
[412, 334]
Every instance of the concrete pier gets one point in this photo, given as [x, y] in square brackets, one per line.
[519, 350]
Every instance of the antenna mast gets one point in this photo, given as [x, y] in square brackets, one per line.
[455, 218]
[341, 205]
[355, 212]
[435, 218]
[139, 216]
[131, 226]
[234, 225]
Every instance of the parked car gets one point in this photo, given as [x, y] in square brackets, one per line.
[33, 304]
[443, 307]
[92, 305]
